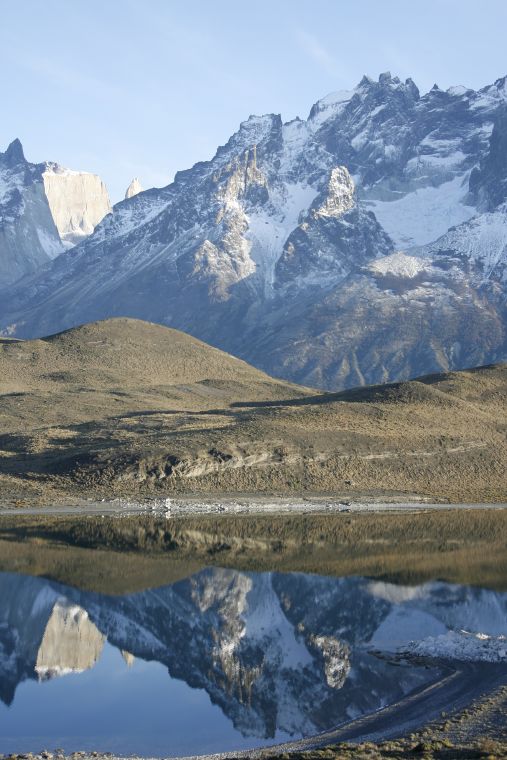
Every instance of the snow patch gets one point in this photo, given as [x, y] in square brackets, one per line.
[328, 107]
[266, 621]
[62, 171]
[482, 240]
[295, 135]
[400, 265]
[268, 231]
[50, 244]
[389, 592]
[425, 214]
[458, 91]
[44, 600]
[46, 674]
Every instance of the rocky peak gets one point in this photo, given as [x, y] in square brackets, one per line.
[134, 188]
[501, 84]
[366, 81]
[128, 657]
[412, 88]
[338, 196]
[254, 131]
[78, 201]
[71, 642]
[328, 106]
[387, 79]
[387, 84]
[256, 128]
[14, 154]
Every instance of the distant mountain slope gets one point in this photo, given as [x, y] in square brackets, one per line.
[284, 249]
[44, 209]
[128, 407]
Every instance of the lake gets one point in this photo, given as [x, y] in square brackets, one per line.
[223, 659]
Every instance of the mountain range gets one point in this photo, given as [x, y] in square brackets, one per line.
[365, 244]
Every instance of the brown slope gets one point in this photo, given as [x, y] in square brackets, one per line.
[118, 351]
[124, 406]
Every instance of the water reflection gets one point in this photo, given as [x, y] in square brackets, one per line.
[221, 660]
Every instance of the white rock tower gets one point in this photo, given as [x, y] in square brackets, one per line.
[134, 188]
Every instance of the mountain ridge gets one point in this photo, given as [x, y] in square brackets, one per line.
[270, 249]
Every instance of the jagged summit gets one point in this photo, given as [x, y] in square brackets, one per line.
[14, 154]
[271, 249]
[134, 188]
[44, 209]
[385, 87]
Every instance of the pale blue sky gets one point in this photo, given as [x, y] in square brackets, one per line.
[147, 87]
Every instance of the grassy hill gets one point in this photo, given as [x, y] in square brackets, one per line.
[127, 407]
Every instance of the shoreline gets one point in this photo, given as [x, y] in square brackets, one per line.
[231, 505]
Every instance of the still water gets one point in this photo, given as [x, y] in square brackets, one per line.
[219, 661]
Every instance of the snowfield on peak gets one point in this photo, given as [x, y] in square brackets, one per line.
[421, 216]
[400, 265]
[269, 229]
[482, 241]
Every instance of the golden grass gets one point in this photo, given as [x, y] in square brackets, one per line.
[126, 407]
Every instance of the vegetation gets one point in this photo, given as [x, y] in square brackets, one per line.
[126, 408]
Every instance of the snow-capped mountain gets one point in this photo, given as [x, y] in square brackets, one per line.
[44, 210]
[362, 245]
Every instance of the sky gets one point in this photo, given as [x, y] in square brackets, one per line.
[144, 88]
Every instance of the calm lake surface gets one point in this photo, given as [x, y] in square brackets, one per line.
[219, 661]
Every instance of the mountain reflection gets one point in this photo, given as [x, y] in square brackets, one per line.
[278, 653]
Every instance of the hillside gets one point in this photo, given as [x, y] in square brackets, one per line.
[128, 407]
[124, 352]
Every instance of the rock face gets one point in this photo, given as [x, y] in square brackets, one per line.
[133, 189]
[363, 245]
[70, 644]
[44, 209]
[78, 202]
